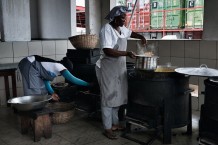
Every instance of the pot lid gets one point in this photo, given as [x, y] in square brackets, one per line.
[203, 71]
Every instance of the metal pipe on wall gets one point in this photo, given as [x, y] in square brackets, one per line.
[132, 14]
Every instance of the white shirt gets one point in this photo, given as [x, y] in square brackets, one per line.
[109, 37]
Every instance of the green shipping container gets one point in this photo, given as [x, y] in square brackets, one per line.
[174, 14]
[194, 17]
[167, 17]
[156, 9]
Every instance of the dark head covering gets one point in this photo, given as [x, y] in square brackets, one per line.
[116, 11]
[67, 63]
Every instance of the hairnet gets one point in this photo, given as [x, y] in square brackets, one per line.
[116, 11]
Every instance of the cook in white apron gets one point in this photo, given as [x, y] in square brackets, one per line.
[112, 77]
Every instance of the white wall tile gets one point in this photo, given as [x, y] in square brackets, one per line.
[164, 48]
[61, 47]
[20, 49]
[6, 60]
[69, 45]
[48, 47]
[208, 49]
[163, 60]
[194, 80]
[192, 49]
[191, 62]
[6, 50]
[18, 59]
[178, 48]
[176, 61]
[209, 62]
[35, 48]
[59, 57]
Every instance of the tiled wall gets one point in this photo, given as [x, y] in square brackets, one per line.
[186, 53]
[11, 52]
[181, 53]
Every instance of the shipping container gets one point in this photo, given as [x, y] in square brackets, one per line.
[174, 14]
[157, 18]
[167, 14]
[157, 9]
[141, 18]
[194, 13]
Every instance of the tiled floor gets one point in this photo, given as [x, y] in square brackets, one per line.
[82, 130]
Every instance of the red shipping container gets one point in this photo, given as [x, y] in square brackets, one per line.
[141, 18]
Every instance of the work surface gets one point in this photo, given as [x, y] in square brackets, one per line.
[8, 66]
[81, 130]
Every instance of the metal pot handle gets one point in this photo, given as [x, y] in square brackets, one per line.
[203, 65]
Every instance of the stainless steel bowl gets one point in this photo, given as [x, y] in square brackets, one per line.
[27, 103]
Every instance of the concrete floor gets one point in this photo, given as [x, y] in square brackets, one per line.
[83, 129]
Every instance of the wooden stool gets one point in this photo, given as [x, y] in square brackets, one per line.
[39, 121]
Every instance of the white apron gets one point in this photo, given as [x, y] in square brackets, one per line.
[112, 77]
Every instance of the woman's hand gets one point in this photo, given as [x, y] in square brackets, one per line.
[55, 97]
[131, 54]
[139, 36]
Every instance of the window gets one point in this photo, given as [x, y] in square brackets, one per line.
[157, 19]
[80, 17]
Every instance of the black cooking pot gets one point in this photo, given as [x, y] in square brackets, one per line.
[160, 89]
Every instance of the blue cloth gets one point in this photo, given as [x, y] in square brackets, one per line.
[116, 11]
[67, 75]
[48, 87]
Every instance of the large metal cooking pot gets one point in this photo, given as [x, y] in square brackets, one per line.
[27, 103]
[144, 62]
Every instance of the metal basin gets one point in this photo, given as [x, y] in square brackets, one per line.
[27, 103]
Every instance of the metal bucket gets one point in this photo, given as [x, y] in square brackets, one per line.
[146, 63]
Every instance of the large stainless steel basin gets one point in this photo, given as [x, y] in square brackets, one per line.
[27, 103]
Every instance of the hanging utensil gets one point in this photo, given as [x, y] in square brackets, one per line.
[202, 71]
